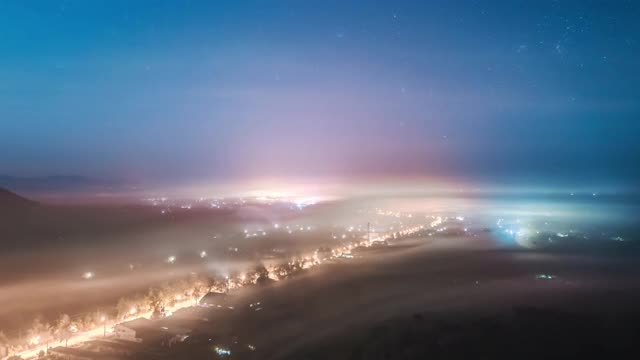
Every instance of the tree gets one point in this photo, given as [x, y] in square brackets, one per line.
[62, 328]
[89, 321]
[155, 301]
[127, 307]
[215, 285]
[39, 332]
[123, 308]
[198, 291]
[4, 344]
[4, 340]
[262, 274]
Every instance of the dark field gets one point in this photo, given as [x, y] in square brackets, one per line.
[412, 303]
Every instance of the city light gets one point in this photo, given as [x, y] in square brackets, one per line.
[368, 179]
[222, 351]
[34, 340]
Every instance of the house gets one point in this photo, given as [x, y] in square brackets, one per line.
[131, 330]
[150, 332]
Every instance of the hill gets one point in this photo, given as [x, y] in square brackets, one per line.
[10, 201]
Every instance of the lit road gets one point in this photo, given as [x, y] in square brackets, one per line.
[93, 334]
[98, 332]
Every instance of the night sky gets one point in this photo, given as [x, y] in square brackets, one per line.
[180, 91]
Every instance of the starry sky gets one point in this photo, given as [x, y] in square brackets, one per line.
[180, 91]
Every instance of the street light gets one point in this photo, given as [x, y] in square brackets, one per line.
[103, 319]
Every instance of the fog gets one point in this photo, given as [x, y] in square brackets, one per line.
[469, 251]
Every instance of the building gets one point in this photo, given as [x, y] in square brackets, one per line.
[131, 330]
[144, 331]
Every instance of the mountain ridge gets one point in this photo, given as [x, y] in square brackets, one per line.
[56, 183]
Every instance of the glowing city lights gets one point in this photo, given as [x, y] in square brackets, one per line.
[222, 351]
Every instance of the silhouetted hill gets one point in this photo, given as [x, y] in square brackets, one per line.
[52, 183]
[14, 212]
[13, 202]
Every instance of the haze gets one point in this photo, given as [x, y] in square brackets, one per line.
[319, 179]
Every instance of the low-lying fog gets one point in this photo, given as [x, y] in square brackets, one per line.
[79, 259]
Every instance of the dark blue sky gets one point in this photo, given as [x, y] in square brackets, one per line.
[181, 91]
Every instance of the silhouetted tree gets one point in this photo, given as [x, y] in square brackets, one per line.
[262, 274]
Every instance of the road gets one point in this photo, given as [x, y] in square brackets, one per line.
[93, 334]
